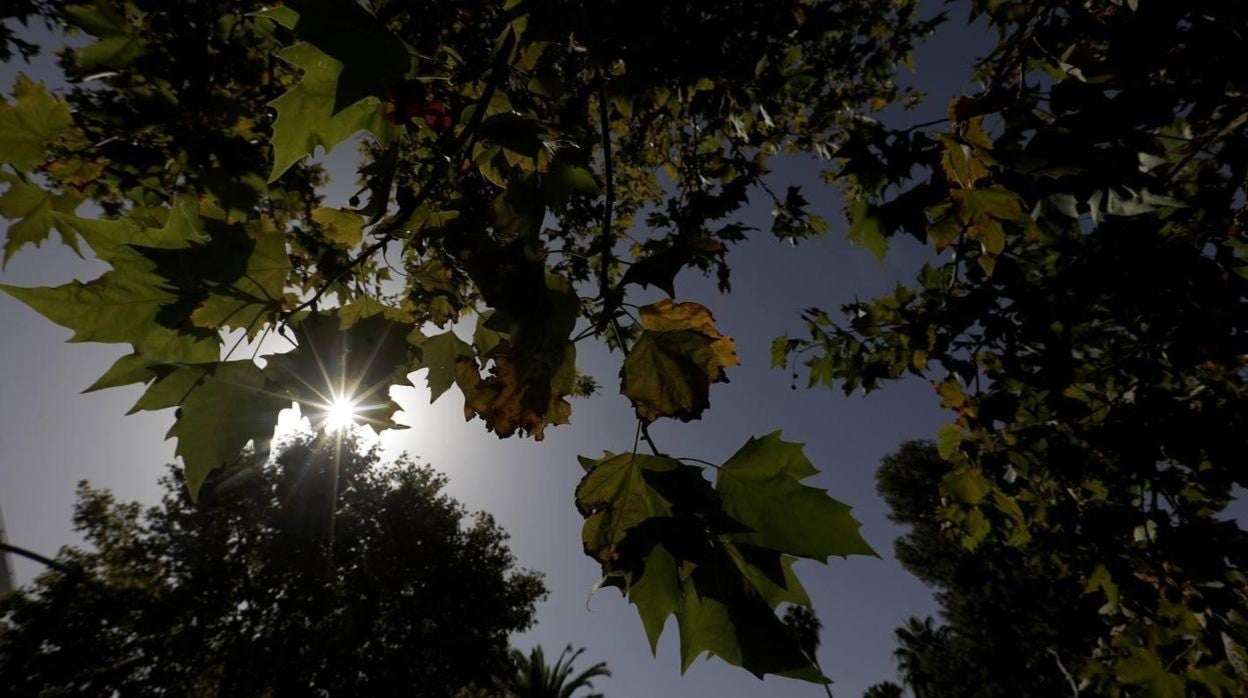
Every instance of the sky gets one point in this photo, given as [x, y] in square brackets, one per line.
[53, 436]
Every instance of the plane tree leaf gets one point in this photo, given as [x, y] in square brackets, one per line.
[221, 407]
[343, 84]
[343, 227]
[677, 357]
[719, 559]
[255, 295]
[36, 212]
[761, 487]
[29, 122]
[129, 303]
[438, 354]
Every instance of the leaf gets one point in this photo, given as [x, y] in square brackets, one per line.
[222, 407]
[724, 616]
[677, 357]
[371, 56]
[343, 227]
[656, 593]
[258, 291]
[965, 158]
[127, 304]
[666, 538]
[127, 370]
[521, 393]
[439, 354]
[866, 230]
[37, 212]
[357, 365]
[29, 123]
[118, 46]
[366, 307]
[761, 487]
[1144, 668]
[966, 485]
[615, 496]
[306, 114]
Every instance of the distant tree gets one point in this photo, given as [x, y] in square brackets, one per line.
[805, 626]
[1006, 631]
[534, 678]
[888, 689]
[326, 572]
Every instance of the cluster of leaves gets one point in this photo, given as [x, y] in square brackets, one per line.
[323, 572]
[1085, 323]
[511, 148]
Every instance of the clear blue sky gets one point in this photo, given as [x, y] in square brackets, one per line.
[52, 436]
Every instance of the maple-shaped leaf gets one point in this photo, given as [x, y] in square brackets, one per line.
[438, 354]
[247, 296]
[367, 306]
[521, 393]
[129, 303]
[761, 487]
[343, 227]
[724, 615]
[345, 73]
[677, 357]
[965, 157]
[36, 213]
[28, 123]
[662, 535]
[619, 493]
[357, 365]
[119, 43]
[221, 408]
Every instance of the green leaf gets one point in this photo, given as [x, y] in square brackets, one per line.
[1144, 668]
[615, 497]
[724, 616]
[866, 230]
[761, 487]
[675, 360]
[372, 57]
[657, 593]
[357, 365]
[343, 227]
[306, 118]
[29, 123]
[255, 293]
[222, 407]
[37, 212]
[118, 46]
[127, 370]
[438, 354]
[128, 304]
[966, 485]
[366, 307]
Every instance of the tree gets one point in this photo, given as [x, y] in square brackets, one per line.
[322, 572]
[534, 678]
[1084, 324]
[1004, 630]
[512, 148]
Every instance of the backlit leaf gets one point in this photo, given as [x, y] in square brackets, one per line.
[677, 357]
[28, 123]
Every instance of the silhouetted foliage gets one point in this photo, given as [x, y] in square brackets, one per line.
[274, 586]
[534, 678]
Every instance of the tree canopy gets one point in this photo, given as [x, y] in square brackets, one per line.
[542, 170]
[325, 571]
[1085, 325]
[511, 150]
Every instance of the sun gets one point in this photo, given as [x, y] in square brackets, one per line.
[340, 415]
